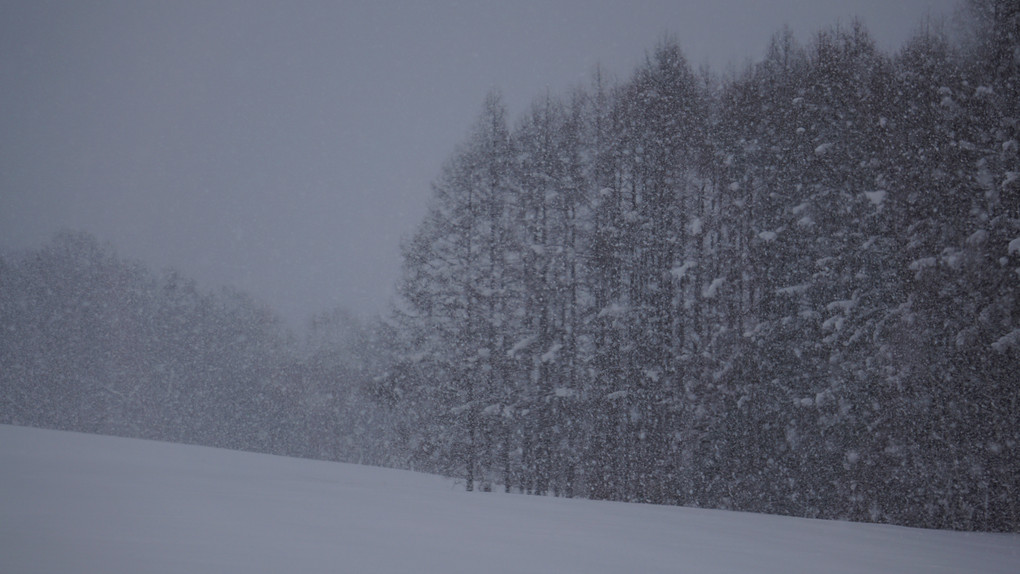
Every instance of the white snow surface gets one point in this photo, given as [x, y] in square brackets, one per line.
[82, 503]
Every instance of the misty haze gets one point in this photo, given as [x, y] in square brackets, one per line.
[684, 261]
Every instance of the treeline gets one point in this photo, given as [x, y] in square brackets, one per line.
[95, 343]
[794, 291]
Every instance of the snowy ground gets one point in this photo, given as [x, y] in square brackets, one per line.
[79, 503]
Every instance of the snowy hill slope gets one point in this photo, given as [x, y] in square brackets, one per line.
[80, 503]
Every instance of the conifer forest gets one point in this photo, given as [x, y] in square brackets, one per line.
[790, 289]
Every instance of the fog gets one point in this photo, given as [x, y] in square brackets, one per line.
[287, 148]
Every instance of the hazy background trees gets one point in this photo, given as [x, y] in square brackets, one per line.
[95, 343]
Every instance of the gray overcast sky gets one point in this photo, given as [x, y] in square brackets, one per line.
[285, 148]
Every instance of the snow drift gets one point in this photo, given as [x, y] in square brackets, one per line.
[82, 503]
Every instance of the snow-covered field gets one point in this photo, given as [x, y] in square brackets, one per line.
[75, 503]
